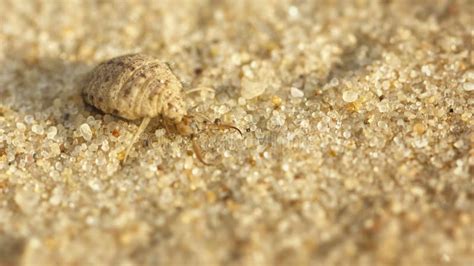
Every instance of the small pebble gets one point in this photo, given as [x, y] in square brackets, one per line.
[55, 199]
[427, 70]
[86, 132]
[29, 119]
[459, 144]
[350, 96]
[55, 149]
[346, 134]
[251, 89]
[383, 107]
[276, 101]
[27, 200]
[105, 145]
[468, 86]
[297, 93]
[37, 129]
[419, 128]
[469, 75]
[52, 131]
[20, 126]
[160, 133]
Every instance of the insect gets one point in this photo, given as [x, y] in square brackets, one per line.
[137, 86]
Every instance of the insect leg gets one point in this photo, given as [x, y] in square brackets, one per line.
[139, 131]
[200, 89]
[166, 125]
[197, 150]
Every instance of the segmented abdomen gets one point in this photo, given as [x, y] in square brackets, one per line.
[131, 86]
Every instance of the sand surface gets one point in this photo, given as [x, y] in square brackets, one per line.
[357, 145]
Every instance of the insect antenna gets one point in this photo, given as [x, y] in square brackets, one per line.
[218, 125]
[224, 126]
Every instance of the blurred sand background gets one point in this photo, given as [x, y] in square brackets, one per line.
[357, 146]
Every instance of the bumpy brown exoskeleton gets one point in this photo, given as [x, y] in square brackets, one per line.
[137, 86]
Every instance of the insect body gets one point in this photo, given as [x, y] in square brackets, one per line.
[136, 86]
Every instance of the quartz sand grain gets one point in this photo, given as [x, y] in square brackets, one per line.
[357, 150]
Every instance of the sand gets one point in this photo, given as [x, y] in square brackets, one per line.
[357, 145]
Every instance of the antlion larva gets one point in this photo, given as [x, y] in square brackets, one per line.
[137, 86]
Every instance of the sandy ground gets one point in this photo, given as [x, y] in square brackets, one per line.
[357, 145]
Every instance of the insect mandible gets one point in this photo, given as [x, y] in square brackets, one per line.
[137, 86]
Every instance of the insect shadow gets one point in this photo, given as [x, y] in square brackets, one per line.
[355, 59]
[31, 85]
